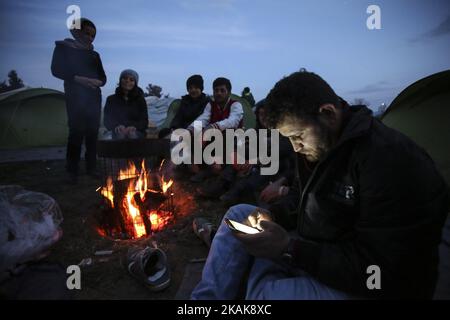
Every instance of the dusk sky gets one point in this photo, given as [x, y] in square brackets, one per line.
[252, 42]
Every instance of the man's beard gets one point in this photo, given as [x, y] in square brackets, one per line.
[324, 143]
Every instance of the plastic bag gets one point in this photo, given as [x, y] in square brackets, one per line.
[29, 225]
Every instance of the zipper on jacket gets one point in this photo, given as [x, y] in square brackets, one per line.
[302, 212]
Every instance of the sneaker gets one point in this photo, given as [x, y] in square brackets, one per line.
[204, 229]
[149, 266]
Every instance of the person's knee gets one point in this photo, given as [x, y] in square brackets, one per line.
[239, 212]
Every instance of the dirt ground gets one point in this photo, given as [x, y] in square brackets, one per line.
[80, 204]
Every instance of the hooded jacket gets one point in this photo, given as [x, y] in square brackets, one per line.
[82, 103]
[68, 61]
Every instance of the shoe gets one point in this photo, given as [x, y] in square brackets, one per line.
[204, 229]
[201, 176]
[214, 189]
[149, 266]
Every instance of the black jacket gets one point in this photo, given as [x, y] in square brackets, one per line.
[68, 62]
[80, 100]
[131, 112]
[189, 110]
[375, 199]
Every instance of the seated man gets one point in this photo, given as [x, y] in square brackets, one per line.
[222, 113]
[191, 107]
[369, 222]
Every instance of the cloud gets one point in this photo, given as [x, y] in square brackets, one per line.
[207, 4]
[442, 29]
[372, 88]
[178, 36]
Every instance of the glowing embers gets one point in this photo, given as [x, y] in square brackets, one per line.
[139, 202]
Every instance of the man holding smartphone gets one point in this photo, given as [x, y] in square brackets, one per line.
[369, 196]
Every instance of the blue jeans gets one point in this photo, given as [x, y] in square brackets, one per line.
[228, 263]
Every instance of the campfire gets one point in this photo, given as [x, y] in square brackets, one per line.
[139, 202]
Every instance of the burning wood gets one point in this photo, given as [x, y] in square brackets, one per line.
[141, 200]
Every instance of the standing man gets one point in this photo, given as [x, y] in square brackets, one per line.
[371, 200]
[76, 62]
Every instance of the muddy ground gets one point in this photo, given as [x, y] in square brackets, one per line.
[80, 204]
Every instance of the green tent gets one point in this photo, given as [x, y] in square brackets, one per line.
[422, 112]
[32, 117]
[249, 116]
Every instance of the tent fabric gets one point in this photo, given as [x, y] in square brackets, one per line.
[422, 112]
[32, 118]
[248, 122]
[158, 109]
[171, 113]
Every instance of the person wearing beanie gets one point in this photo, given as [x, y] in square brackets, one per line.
[125, 111]
[191, 105]
[76, 62]
[131, 73]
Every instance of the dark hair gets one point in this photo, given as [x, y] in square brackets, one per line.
[196, 80]
[87, 23]
[222, 82]
[246, 90]
[300, 94]
[258, 107]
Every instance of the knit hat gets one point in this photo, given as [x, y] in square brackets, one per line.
[196, 80]
[132, 73]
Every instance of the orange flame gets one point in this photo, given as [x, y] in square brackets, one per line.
[158, 221]
[132, 211]
[107, 191]
[138, 185]
[165, 185]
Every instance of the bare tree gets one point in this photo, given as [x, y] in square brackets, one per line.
[153, 90]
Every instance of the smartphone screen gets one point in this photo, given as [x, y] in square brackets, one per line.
[234, 225]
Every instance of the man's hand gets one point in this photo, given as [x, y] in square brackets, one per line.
[131, 130]
[257, 216]
[120, 129]
[88, 82]
[96, 83]
[269, 244]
